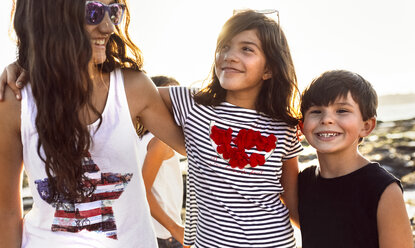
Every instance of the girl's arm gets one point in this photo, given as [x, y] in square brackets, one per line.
[10, 172]
[289, 180]
[15, 77]
[157, 152]
[393, 223]
[146, 103]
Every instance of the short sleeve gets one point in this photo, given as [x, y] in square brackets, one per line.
[182, 103]
[294, 145]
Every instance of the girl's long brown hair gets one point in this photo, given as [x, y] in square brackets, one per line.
[279, 95]
[55, 48]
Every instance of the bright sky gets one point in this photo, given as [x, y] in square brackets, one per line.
[375, 38]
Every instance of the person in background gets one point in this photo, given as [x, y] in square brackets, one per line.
[74, 129]
[164, 183]
[347, 201]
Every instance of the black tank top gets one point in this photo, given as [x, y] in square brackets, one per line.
[341, 212]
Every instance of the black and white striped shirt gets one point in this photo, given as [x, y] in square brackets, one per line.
[232, 207]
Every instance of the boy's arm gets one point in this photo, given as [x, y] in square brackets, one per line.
[10, 172]
[289, 180]
[158, 152]
[393, 223]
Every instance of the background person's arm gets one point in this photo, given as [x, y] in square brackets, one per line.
[157, 152]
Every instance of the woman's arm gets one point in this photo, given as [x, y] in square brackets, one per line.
[165, 95]
[144, 101]
[289, 180]
[146, 104]
[157, 152]
[10, 172]
[393, 223]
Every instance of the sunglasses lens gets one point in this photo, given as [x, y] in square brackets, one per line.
[94, 13]
[116, 12]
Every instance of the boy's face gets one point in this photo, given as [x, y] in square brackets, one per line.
[336, 128]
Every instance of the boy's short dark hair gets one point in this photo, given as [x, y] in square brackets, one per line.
[331, 85]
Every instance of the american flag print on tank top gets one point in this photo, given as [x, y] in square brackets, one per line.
[93, 213]
[226, 206]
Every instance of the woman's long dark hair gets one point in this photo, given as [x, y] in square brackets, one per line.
[55, 48]
[279, 95]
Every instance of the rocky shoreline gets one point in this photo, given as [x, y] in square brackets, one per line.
[392, 144]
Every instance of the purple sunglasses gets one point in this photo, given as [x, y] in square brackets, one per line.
[95, 12]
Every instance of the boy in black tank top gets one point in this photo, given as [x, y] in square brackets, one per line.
[347, 201]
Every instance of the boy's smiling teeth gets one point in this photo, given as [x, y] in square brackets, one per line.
[327, 135]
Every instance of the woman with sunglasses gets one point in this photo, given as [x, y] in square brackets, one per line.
[74, 129]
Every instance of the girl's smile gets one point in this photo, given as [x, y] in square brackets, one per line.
[241, 68]
[228, 69]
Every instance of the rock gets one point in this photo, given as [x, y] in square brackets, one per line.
[306, 158]
[409, 181]
[392, 145]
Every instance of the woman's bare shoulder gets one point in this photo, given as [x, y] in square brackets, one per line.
[10, 112]
[140, 90]
[10, 105]
[136, 79]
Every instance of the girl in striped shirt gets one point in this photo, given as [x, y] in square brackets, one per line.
[241, 140]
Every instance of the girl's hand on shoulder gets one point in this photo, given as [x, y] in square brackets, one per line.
[15, 77]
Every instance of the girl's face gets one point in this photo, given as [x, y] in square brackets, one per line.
[99, 31]
[241, 65]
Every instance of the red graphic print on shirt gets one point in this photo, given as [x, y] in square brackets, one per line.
[233, 149]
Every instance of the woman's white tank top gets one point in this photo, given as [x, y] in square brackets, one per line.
[116, 214]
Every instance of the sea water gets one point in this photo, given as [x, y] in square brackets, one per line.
[393, 112]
